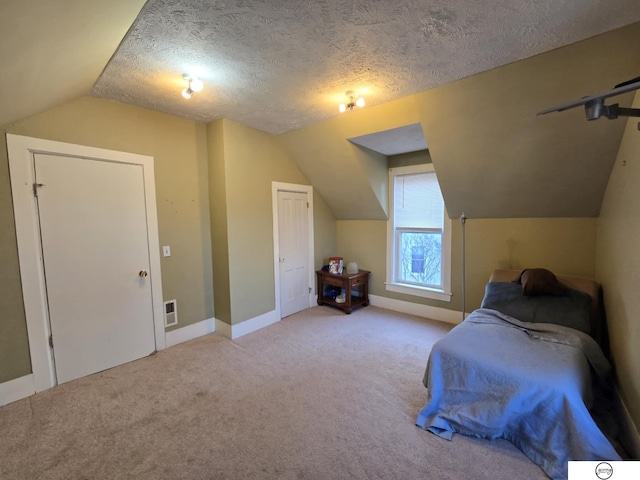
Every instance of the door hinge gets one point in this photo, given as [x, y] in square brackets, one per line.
[307, 204]
[309, 289]
[51, 341]
[35, 188]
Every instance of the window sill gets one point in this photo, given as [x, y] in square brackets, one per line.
[419, 291]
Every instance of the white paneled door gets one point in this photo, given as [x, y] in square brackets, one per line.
[95, 250]
[293, 237]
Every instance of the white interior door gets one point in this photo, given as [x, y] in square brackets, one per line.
[95, 251]
[293, 241]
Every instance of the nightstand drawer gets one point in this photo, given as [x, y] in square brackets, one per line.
[336, 281]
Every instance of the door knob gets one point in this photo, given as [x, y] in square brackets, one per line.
[143, 273]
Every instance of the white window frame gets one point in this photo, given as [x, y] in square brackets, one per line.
[391, 284]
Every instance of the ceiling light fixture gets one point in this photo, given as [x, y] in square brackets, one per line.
[352, 102]
[195, 85]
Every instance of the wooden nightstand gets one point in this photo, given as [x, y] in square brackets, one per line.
[349, 282]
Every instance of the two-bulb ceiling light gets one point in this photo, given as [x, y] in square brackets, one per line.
[195, 85]
[352, 102]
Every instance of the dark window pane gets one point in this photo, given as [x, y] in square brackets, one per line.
[417, 258]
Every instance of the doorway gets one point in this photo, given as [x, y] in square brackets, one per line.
[293, 247]
[88, 248]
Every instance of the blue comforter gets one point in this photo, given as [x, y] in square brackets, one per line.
[534, 384]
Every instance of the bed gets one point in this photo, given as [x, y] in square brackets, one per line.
[527, 368]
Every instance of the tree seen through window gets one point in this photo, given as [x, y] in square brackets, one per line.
[421, 259]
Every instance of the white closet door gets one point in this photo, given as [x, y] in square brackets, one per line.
[95, 248]
[293, 234]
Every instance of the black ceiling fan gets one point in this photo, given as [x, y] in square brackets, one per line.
[594, 106]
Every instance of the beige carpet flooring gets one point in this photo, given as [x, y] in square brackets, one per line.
[319, 395]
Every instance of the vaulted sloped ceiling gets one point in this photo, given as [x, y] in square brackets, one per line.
[352, 179]
[283, 66]
[495, 158]
[53, 51]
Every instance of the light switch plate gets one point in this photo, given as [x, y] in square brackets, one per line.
[166, 251]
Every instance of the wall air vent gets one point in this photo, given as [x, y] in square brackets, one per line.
[170, 313]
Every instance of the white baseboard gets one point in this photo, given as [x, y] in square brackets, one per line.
[248, 326]
[629, 436]
[195, 330]
[17, 389]
[426, 311]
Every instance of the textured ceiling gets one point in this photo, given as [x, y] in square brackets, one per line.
[281, 65]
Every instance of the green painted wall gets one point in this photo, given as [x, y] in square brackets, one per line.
[563, 245]
[374, 167]
[325, 232]
[218, 209]
[618, 264]
[409, 159]
[180, 152]
[252, 161]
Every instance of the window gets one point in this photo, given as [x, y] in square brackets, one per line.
[419, 234]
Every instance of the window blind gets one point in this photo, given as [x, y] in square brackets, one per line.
[418, 201]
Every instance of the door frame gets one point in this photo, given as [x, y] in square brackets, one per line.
[291, 187]
[21, 150]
